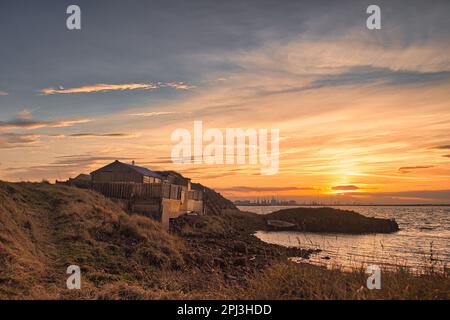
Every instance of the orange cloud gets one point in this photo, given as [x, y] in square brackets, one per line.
[442, 147]
[24, 120]
[152, 114]
[102, 87]
[345, 188]
[32, 124]
[13, 140]
[101, 135]
[409, 169]
[264, 189]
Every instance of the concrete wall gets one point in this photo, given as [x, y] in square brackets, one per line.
[184, 199]
[150, 208]
[170, 209]
[195, 206]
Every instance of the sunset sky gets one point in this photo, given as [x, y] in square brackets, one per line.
[364, 115]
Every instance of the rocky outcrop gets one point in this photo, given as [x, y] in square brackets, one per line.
[329, 220]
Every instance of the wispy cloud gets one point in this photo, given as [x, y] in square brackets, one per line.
[101, 135]
[3, 93]
[178, 85]
[85, 160]
[421, 195]
[365, 75]
[63, 166]
[152, 114]
[14, 140]
[263, 189]
[442, 147]
[328, 56]
[345, 188]
[409, 169]
[24, 120]
[103, 87]
[35, 124]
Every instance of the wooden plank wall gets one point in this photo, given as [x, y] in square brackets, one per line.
[139, 191]
[195, 195]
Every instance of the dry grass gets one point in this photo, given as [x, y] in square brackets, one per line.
[304, 281]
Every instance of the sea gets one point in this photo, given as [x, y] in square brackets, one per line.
[423, 241]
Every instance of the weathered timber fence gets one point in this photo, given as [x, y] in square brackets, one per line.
[138, 191]
[195, 195]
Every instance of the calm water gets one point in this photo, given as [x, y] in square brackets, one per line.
[424, 234]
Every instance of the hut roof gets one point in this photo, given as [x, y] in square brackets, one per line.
[141, 170]
[83, 176]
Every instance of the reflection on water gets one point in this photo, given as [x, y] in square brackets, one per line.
[424, 239]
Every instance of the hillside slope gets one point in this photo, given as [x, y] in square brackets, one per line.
[45, 228]
[215, 203]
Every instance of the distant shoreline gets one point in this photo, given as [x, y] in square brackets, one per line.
[345, 205]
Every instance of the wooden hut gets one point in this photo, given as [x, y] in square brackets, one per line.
[123, 172]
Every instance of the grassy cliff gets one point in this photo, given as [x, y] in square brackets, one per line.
[46, 228]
